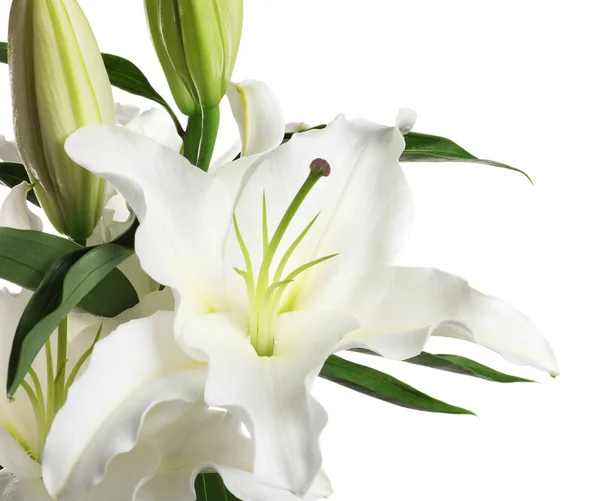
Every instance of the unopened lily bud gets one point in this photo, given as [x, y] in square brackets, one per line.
[197, 42]
[59, 84]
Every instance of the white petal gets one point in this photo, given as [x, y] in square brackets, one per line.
[130, 372]
[297, 127]
[125, 113]
[244, 485]
[15, 488]
[9, 151]
[16, 417]
[184, 213]
[15, 213]
[399, 308]
[14, 459]
[11, 309]
[157, 125]
[192, 440]
[405, 120]
[271, 395]
[126, 475]
[364, 206]
[258, 114]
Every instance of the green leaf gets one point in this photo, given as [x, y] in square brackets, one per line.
[465, 366]
[210, 487]
[68, 281]
[382, 386]
[126, 76]
[12, 174]
[428, 148]
[26, 255]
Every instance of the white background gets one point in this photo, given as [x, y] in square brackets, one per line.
[514, 81]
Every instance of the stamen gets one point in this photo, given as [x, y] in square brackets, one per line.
[264, 296]
[292, 248]
[265, 226]
[321, 166]
[77, 367]
[39, 416]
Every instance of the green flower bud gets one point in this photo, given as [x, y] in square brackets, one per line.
[197, 42]
[59, 84]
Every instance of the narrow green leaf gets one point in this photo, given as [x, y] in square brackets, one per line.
[26, 255]
[68, 281]
[464, 366]
[126, 76]
[210, 487]
[428, 148]
[12, 174]
[382, 386]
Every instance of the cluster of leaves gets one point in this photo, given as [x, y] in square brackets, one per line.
[66, 276]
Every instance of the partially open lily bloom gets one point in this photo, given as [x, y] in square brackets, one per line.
[279, 260]
[26, 420]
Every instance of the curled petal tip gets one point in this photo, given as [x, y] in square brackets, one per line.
[405, 120]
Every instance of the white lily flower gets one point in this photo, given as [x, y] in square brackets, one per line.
[141, 390]
[25, 421]
[306, 267]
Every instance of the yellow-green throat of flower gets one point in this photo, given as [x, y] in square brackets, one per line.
[264, 292]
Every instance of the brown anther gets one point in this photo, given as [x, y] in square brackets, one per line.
[321, 166]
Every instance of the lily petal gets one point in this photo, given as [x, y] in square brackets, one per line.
[293, 127]
[364, 205]
[9, 151]
[157, 125]
[184, 213]
[130, 372]
[16, 488]
[405, 120]
[125, 113]
[399, 308]
[126, 475]
[192, 440]
[258, 114]
[14, 459]
[15, 213]
[271, 395]
[16, 418]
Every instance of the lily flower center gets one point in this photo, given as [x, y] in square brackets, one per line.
[265, 291]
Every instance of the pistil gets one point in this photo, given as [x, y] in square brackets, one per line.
[264, 294]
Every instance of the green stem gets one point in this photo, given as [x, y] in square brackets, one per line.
[193, 138]
[201, 136]
[210, 128]
[61, 362]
